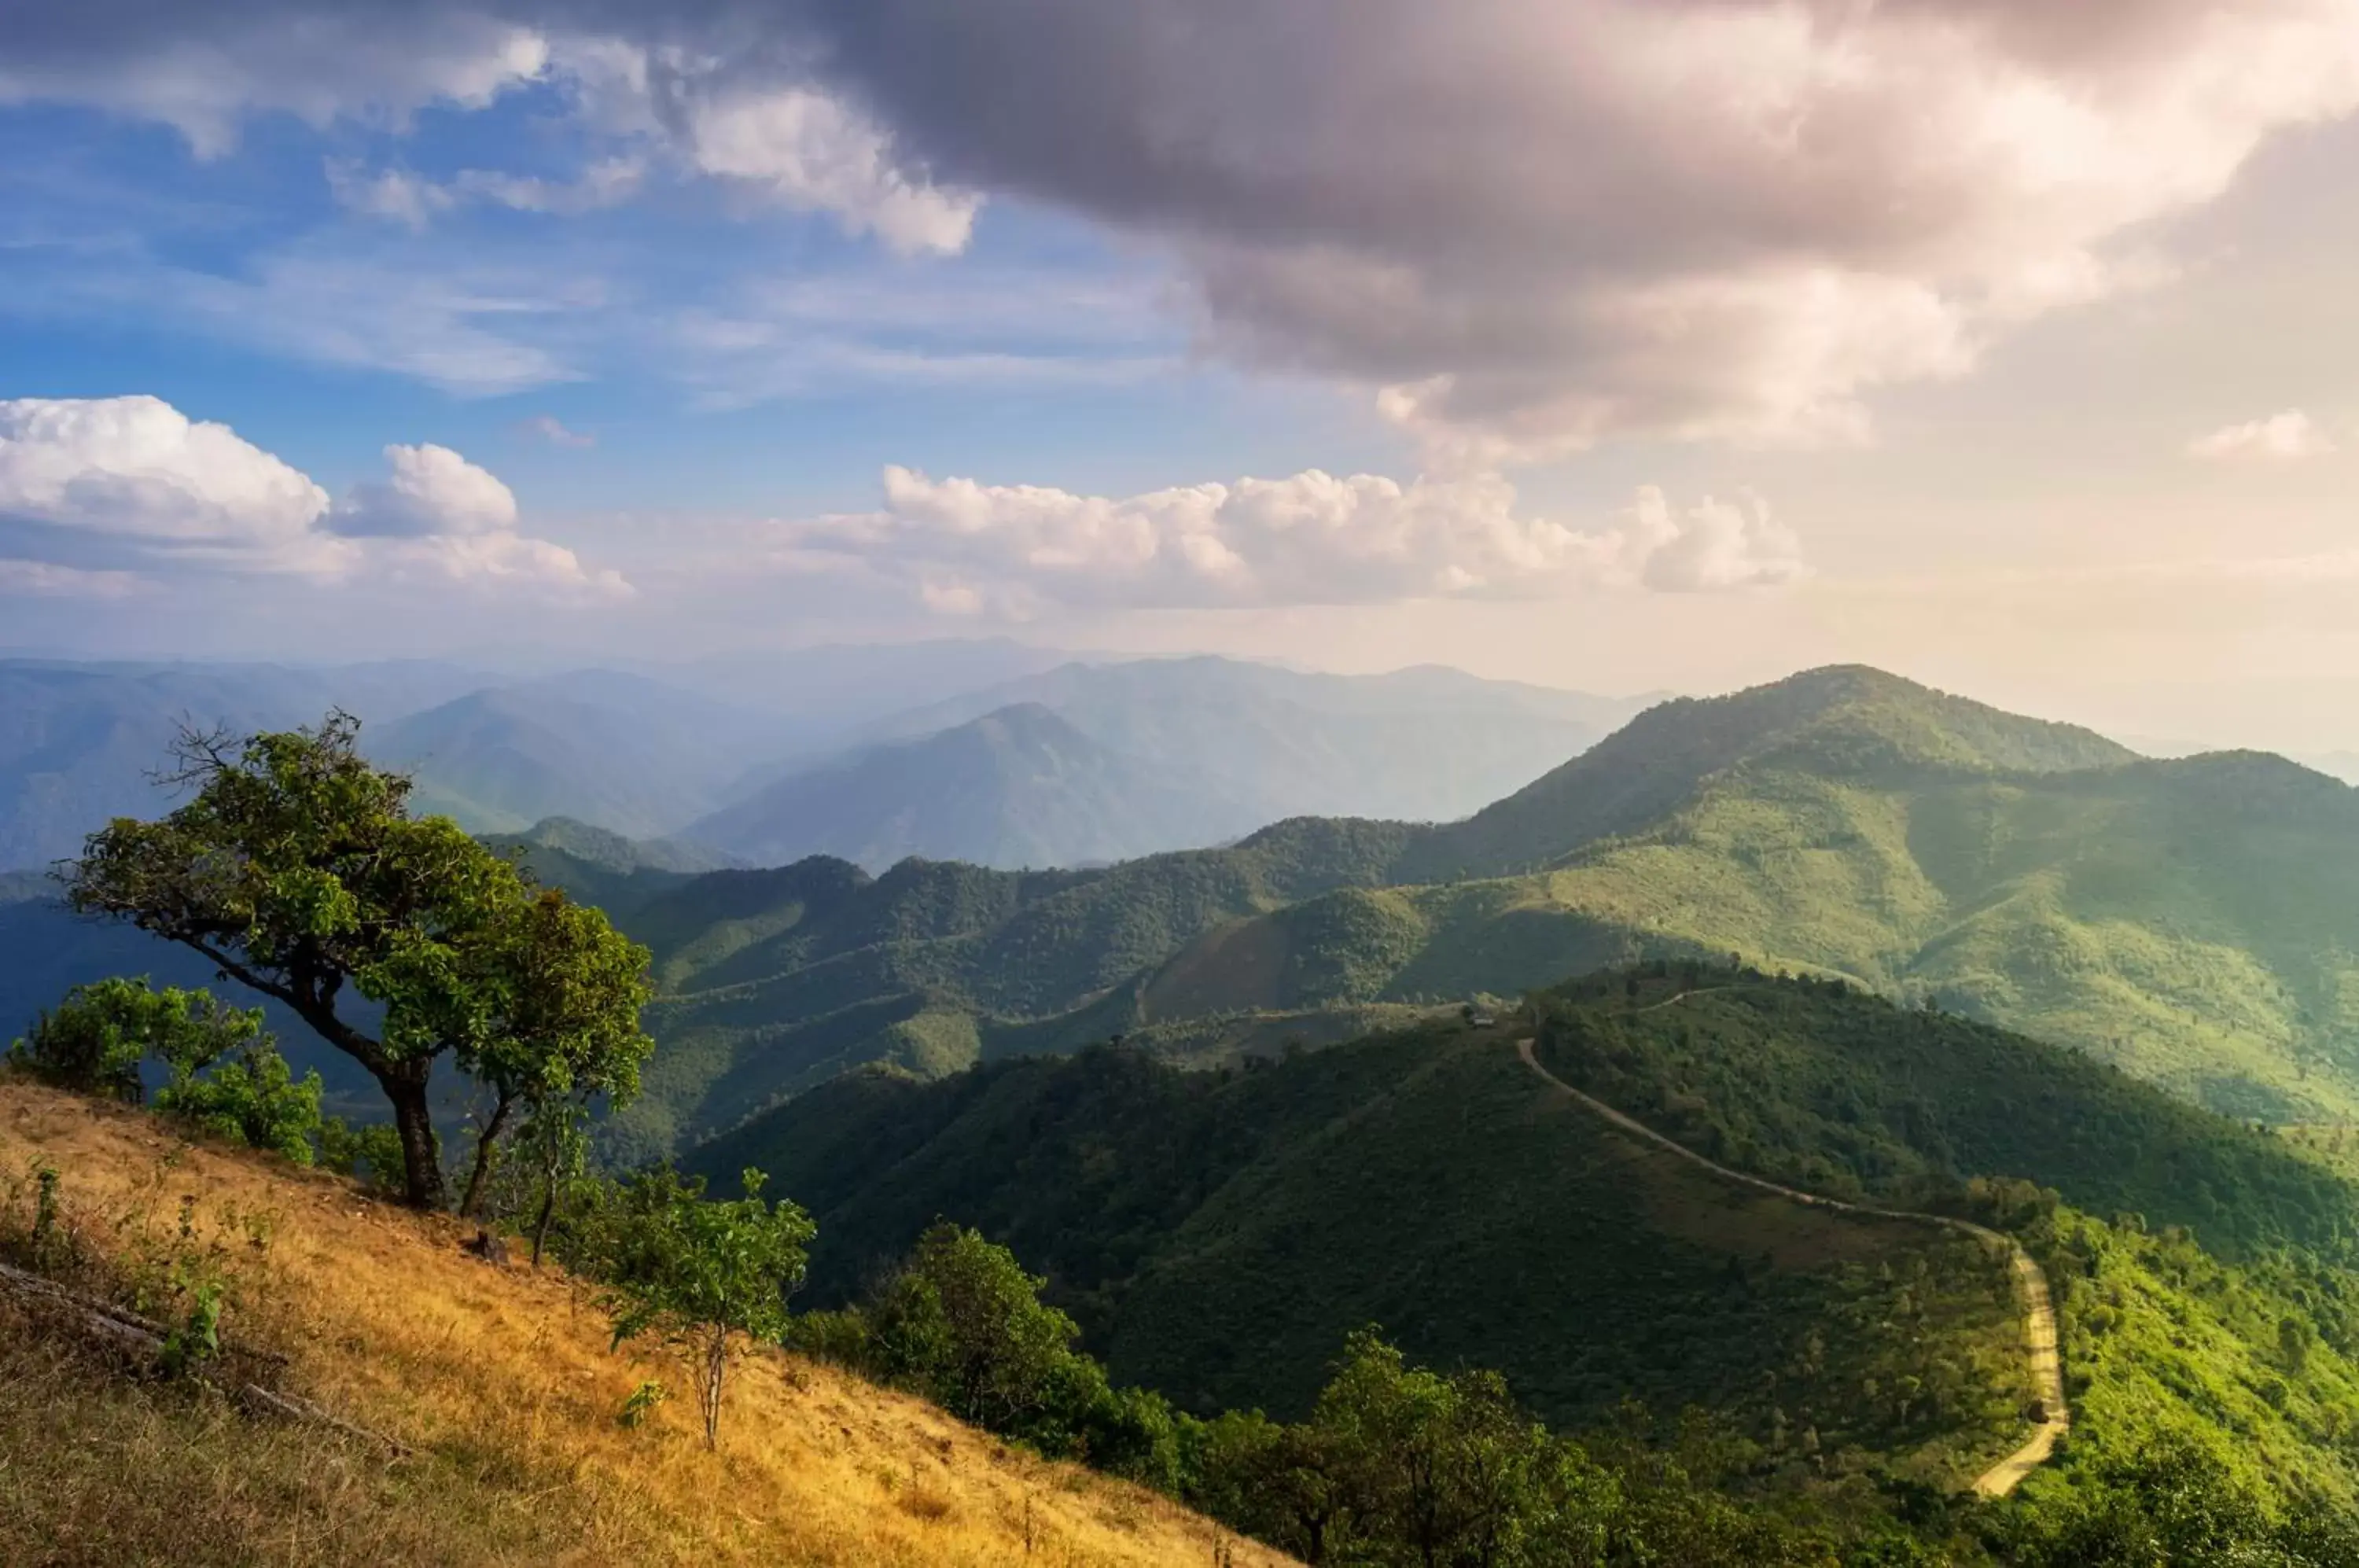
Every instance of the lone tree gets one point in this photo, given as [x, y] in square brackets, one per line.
[697, 1273]
[297, 870]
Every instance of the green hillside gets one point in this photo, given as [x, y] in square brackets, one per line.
[2190, 920]
[1218, 1234]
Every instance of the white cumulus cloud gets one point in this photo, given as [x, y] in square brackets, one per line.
[95, 492]
[2280, 438]
[430, 490]
[139, 468]
[967, 547]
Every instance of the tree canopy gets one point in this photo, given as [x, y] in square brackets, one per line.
[297, 869]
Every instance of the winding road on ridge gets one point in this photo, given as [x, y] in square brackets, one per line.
[2030, 1282]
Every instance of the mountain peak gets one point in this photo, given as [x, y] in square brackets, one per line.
[1841, 718]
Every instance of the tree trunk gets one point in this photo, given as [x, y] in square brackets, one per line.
[484, 1151]
[540, 1225]
[421, 1158]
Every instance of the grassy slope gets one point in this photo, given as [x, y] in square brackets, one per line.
[502, 1380]
[1218, 1233]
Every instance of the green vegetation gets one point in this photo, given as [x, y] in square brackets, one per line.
[225, 1072]
[1216, 1236]
[2186, 920]
[298, 871]
[1826, 1088]
[2214, 1316]
[694, 1273]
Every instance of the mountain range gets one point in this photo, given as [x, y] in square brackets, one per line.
[2187, 920]
[997, 760]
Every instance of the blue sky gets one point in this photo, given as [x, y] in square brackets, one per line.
[1605, 343]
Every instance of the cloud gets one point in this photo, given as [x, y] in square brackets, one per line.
[548, 427]
[44, 579]
[137, 468]
[811, 150]
[205, 76]
[431, 490]
[1540, 226]
[394, 194]
[1526, 228]
[114, 487]
[398, 195]
[2280, 438]
[963, 548]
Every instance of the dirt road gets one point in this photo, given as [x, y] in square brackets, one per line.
[2030, 1282]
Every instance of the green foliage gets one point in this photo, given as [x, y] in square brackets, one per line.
[963, 1322]
[97, 1041]
[297, 869]
[696, 1273]
[197, 1337]
[372, 1149]
[641, 1404]
[223, 1071]
[1216, 1235]
[252, 1097]
[2174, 1500]
[1823, 1087]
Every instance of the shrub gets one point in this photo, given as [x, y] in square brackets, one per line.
[696, 1273]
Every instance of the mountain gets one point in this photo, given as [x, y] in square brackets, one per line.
[1217, 1233]
[836, 690]
[1427, 744]
[2187, 920]
[1845, 716]
[80, 743]
[627, 754]
[1018, 787]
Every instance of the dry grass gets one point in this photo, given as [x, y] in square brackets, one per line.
[502, 1380]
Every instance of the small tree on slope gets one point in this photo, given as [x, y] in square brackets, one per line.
[697, 1273]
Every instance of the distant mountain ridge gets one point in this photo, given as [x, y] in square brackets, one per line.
[1152, 754]
[1018, 786]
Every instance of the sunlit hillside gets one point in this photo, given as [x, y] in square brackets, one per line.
[497, 1380]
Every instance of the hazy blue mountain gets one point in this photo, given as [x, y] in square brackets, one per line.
[630, 755]
[837, 689]
[78, 742]
[1019, 786]
[1253, 744]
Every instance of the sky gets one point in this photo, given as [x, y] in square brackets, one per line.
[1620, 344]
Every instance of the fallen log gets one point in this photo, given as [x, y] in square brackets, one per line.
[146, 1339]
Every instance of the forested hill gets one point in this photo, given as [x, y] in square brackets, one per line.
[1214, 1231]
[1218, 1233]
